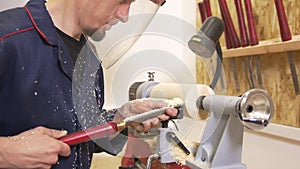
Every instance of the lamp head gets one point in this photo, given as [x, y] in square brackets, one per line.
[204, 42]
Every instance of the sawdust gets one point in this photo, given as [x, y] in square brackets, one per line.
[180, 156]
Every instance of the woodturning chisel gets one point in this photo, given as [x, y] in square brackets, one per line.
[253, 41]
[110, 128]
[233, 64]
[286, 35]
[231, 38]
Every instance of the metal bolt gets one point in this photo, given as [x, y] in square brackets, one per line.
[203, 158]
[151, 76]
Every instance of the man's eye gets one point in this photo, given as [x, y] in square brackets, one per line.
[159, 2]
[126, 1]
[122, 1]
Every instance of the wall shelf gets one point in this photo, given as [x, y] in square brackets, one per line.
[264, 47]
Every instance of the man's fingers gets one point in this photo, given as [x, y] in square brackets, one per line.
[43, 166]
[64, 149]
[158, 103]
[171, 112]
[155, 122]
[137, 126]
[50, 132]
[151, 123]
[163, 117]
[57, 133]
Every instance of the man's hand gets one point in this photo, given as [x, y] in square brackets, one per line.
[36, 148]
[142, 105]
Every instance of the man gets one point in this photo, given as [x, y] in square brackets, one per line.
[39, 46]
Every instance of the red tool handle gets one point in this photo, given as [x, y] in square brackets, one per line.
[227, 37]
[229, 24]
[202, 11]
[96, 132]
[242, 25]
[251, 24]
[207, 8]
[226, 33]
[283, 24]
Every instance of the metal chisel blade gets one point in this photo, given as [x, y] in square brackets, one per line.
[293, 72]
[258, 71]
[251, 71]
[235, 76]
[145, 116]
[246, 72]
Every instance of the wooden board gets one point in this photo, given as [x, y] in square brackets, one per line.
[264, 47]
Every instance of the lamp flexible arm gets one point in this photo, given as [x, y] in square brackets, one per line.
[219, 66]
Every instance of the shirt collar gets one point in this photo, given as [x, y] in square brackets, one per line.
[40, 18]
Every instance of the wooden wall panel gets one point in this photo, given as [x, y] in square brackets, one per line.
[276, 74]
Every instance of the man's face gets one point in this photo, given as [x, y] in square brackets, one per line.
[101, 15]
[96, 14]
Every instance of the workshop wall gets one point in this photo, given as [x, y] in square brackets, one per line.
[276, 75]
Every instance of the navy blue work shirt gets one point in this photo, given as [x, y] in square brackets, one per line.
[36, 73]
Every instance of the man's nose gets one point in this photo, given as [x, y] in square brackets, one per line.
[123, 12]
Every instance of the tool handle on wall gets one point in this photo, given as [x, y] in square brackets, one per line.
[228, 22]
[229, 46]
[227, 39]
[207, 8]
[228, 42]
[242, 25]
[202, 11]
[283, 23]
[251, 23]
[96, 132]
